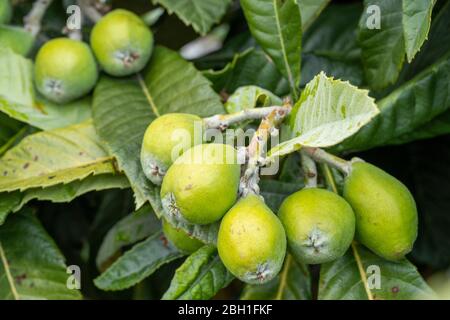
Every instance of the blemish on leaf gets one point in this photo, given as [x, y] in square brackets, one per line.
[20, 278]
[164, 241]
[26, 165]
[51, 177]
[36, 158]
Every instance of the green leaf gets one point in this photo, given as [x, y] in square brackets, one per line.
[383, 49]
[407, 108]
[328, 112]
[330, 45]
[60, 193]
[342, 279]
[31, 266]
[123, 109]
[436, 127]
[18, 99]
[201, 14]
[131, 229]
[249, 97]
[416, 24]
[310, 10]
[251, 67]
[138, 263]
[200, 277]
[16, 38]
[437, 45]
[277, 27]
[293, 283]
[52, 157]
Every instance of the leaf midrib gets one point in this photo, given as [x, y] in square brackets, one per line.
[8, 273]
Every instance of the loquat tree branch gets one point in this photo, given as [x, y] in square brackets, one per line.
[32, 21]
[223, 121]
[256, 149]
[309, 170]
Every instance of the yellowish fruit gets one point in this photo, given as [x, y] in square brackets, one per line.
[386, 213]
[165, 139]
[202, 184]
[319, 225]
[252, 241]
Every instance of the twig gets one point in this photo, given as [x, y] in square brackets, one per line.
[32, 21]
[309, 170]
[256, 148]
[89, 10]
[223, 121]
[322, 156]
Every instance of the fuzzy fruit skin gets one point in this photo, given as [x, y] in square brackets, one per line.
[5, 11]
[122, 43]
[181, 239]
[252, 241]
[386, 213]
[65, 70]
[164, 141]
[202, 184]
[319, 224]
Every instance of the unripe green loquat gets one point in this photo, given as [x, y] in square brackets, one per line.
[319, 224]
[386, 213]
[5, 11]
[252, 241]
[65, 70]
[202, 184]
[122, 43]
[180, 239]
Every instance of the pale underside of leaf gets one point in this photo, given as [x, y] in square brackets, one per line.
[59, 193]
[249, 97]
[328, 112]
[52, 157]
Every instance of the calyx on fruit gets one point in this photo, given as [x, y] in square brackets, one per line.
[202, 184]
[386, 213]
[319, 224]
[122, 43]
[5, 11]
[165, 139]
[180, 239]
[252, 241]
[65, 70]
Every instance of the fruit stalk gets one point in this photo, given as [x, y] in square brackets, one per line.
[255, 150]
[309, 170]
[32, 21]
[223, 121]
[88, 9]
[322, 156]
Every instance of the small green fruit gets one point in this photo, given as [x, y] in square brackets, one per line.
[202, 184]
[65, 70]
[165, 139]
[386, 214]
[5, 11]
[122, 43]
[252, 241]
[319, 225]
[181, 239]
